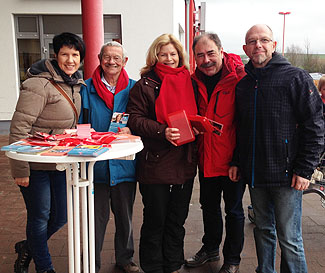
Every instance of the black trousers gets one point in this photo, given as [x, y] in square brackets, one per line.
[162, 232]
[211, 191]
[119, 199]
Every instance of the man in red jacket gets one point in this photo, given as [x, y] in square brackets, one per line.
[216, 76]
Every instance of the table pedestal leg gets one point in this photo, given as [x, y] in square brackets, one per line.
[87, 221]
[76, 217]
[83, 176]
[70, 218]
[91, 220]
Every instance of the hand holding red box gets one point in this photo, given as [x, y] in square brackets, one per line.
[184, 123]
[179, 120]
[205, 125]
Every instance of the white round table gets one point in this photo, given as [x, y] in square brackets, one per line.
[81, 179]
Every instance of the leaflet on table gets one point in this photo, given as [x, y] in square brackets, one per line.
[84, 130]
[45, 136]
[13, 146]
[66, 140]
[103, 137]
[88, 150]
[32, 149]
[119, 120]
[57, 151]
[40, 142]
[125, 138]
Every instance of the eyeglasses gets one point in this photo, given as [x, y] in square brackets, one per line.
[262, 41]
[115, 58]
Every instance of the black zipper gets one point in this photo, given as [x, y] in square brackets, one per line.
[287, 156]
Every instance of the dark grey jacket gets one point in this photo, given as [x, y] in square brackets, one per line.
[280, 124]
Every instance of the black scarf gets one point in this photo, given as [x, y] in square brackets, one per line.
[73, 80]
[210, 82]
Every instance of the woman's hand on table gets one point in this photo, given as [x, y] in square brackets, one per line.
[22, 181]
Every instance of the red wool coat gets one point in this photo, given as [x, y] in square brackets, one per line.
[215, 152]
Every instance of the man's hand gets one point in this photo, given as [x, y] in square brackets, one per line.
[234, 174]
[172, 134]
[299, 183]
[22, 181]
[124, 130]
[197, 132]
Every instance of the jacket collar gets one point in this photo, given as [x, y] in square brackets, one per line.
[276, 61]
[151, 75]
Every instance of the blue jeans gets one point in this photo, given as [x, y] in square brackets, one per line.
[46, 204]
[278, 215]
[212, 189]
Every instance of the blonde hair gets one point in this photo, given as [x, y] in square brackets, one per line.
[321, 82]
[154, 49]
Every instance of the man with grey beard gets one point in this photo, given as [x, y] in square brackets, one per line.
[215, 78]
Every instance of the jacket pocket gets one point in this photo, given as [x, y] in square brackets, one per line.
[224, 105]
[152, 157]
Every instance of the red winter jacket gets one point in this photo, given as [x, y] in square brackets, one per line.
[215, 152]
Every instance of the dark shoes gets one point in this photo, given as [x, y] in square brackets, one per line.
[24, 258]
[202, 257]
[229, 268]
[47, 271]
[131, 267]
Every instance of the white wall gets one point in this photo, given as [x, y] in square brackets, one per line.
[142, 21]
[8, 67]
[8, 49]
[179, 18]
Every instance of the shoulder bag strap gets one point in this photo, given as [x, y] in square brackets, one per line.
[64, 94]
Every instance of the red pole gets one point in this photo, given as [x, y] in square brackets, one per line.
[93, 33]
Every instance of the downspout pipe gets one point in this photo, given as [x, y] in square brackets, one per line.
[187, 4]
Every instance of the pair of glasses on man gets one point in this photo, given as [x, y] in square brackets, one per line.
[262, 41]
[115, 58]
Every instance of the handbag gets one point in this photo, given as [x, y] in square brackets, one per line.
[64, 94]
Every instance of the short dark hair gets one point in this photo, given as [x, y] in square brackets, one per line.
[70, 40]
[210, 35]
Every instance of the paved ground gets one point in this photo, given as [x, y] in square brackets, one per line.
[13, 219]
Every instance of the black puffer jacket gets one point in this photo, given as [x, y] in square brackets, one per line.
[280, 124]
[159, 162]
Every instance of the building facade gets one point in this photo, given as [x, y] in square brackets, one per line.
[28, 27]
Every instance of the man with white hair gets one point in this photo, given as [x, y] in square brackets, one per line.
[107, 92]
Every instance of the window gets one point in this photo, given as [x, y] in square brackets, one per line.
[35, 33]
[28, 53]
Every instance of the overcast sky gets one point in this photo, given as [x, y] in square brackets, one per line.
[230, 19]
